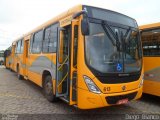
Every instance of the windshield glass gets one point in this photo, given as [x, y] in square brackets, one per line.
[113, 53]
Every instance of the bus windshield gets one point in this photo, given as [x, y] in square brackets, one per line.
[114, 50]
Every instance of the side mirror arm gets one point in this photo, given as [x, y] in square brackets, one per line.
[80, 13]
[84, 22]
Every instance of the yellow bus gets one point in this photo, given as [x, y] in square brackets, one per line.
[151, 51]
[7, 57]
[89, 57]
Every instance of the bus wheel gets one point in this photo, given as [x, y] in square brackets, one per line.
[20, 77]
[48, 89]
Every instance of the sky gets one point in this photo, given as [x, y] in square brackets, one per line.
[18, 17]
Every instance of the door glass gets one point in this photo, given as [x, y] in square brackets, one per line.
[63, 76]
[63, 60]
[75, 46]
[63, 48]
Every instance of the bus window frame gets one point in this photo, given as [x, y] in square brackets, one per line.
[149, 30]
[32, 40]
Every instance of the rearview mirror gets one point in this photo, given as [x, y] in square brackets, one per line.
[85, 26]
[84, 22]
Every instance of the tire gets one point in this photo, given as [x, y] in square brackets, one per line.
[48, 89]
[20, 77]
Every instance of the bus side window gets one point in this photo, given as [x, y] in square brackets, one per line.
[18, 47]
[37, 42]
[22, 46]
[75, 46]
[150, 39]
[53, 40]
[50, 39]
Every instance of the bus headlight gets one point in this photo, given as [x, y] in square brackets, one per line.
[91, 85]
[142, 80]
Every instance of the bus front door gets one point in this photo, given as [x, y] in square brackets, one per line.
[73, 63]
[26, 46]
[62, 62]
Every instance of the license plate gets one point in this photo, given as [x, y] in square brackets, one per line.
[123, 101]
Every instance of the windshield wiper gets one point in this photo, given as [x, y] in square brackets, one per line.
[117, 44]
[127, 34]
[124, 39]
[109, 36]
[115, 36]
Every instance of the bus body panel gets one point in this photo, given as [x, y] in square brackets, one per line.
[88, 100]
[152, 76]
[13, 58]
[40, 63]
[151, 87]
[18, 62]
[151, 58]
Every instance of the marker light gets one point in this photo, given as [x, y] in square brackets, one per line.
[91, 86]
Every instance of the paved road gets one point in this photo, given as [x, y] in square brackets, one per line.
[24, 97]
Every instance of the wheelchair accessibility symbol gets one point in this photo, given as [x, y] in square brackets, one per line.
[119, 67]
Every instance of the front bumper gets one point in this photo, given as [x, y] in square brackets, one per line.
[89, 100]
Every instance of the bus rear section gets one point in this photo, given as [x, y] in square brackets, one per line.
[151, 51]
[7, 58]
[89, 57]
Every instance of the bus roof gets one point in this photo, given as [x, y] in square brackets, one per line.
[70, 11]
[55, 19]
[150, 26]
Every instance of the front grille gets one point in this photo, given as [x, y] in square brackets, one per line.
[114, 78]
[115, 99]
[118, 79]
